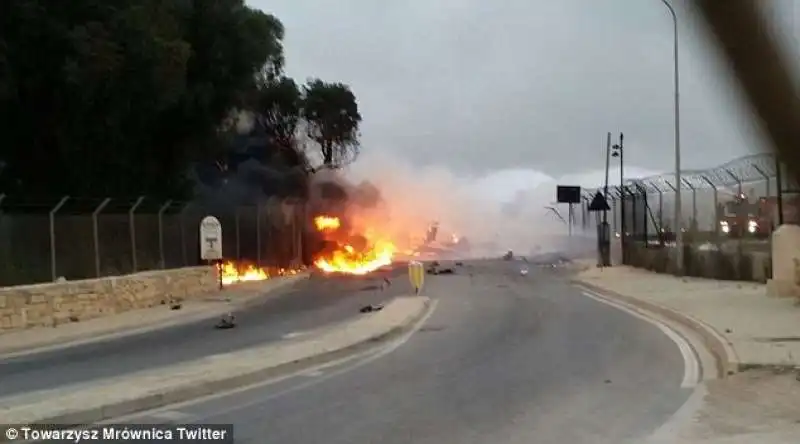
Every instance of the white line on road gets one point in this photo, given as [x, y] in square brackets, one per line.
[691, 365]
[171, 415]
[361, 359]
[370, 358]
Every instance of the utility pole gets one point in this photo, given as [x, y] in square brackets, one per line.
[604, 234]
[618, 151]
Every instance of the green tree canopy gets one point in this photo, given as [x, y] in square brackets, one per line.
[120, 98]
[331, 113]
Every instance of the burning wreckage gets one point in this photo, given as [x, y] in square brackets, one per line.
[349, 243]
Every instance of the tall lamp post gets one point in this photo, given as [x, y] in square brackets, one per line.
[678, 181]
[616, 151]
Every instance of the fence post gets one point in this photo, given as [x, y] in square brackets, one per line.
[96, 235]
[183, 234]
[735, 178]
[765, 176]
[767, 195]
[132, 225]
[630, 196]
[620, 196]
[643, 195]
[660, 212]
[694, 200]
[161, 232]
[716, 204]
[53, 236]
[676, 225]
[258, 234]
[238, 239]
[613, 206]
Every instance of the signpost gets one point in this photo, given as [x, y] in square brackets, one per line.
[569, 194]
[211, 243]
[416, 274]
[599, 203]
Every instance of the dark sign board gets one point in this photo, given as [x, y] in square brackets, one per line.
[568, 194]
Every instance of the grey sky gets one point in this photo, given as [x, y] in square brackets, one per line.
[481, 86]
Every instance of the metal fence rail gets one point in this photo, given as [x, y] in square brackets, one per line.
[44, 241]
[756, 176]
[730, 212]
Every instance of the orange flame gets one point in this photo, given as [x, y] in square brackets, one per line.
[234, 274]
[346, 258]
[327, 223]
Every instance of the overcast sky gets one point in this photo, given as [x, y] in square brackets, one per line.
[481, 87]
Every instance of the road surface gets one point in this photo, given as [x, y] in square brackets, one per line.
[502, 359]
[310, 304]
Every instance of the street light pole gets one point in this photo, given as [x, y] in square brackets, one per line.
[678, 181]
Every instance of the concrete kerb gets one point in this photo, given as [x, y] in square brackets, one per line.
[188, 392]
[254, 295]
[723, 352]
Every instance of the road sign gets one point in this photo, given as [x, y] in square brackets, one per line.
[416, 274]
[599, 203]
[568, 194]
[210, 239]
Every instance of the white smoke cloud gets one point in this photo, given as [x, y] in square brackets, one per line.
[501, 211]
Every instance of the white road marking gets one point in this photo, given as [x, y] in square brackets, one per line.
[667, 433]
[294, 334]
[171, 415]
[313, 373]
[368, 357]
[691, 365]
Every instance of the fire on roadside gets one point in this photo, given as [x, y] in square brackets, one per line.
[345, 257]
[233, 273]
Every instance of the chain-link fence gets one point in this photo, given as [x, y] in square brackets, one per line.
[74, 238]
[728, 212]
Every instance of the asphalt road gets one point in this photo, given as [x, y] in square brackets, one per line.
[309, 304]
[503, 359]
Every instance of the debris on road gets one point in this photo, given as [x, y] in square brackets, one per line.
[435, 270]
[227, 321]
[371, 308]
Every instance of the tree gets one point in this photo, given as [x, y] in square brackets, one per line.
[277, 115]
[331, 114]
[120, 97]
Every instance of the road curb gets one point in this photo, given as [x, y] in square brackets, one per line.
[187, 393]
[720, 348]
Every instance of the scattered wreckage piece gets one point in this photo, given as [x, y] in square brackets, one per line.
[227, 321]
[436, 269]
[371, 308]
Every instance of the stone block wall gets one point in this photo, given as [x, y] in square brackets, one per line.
[52, 304]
